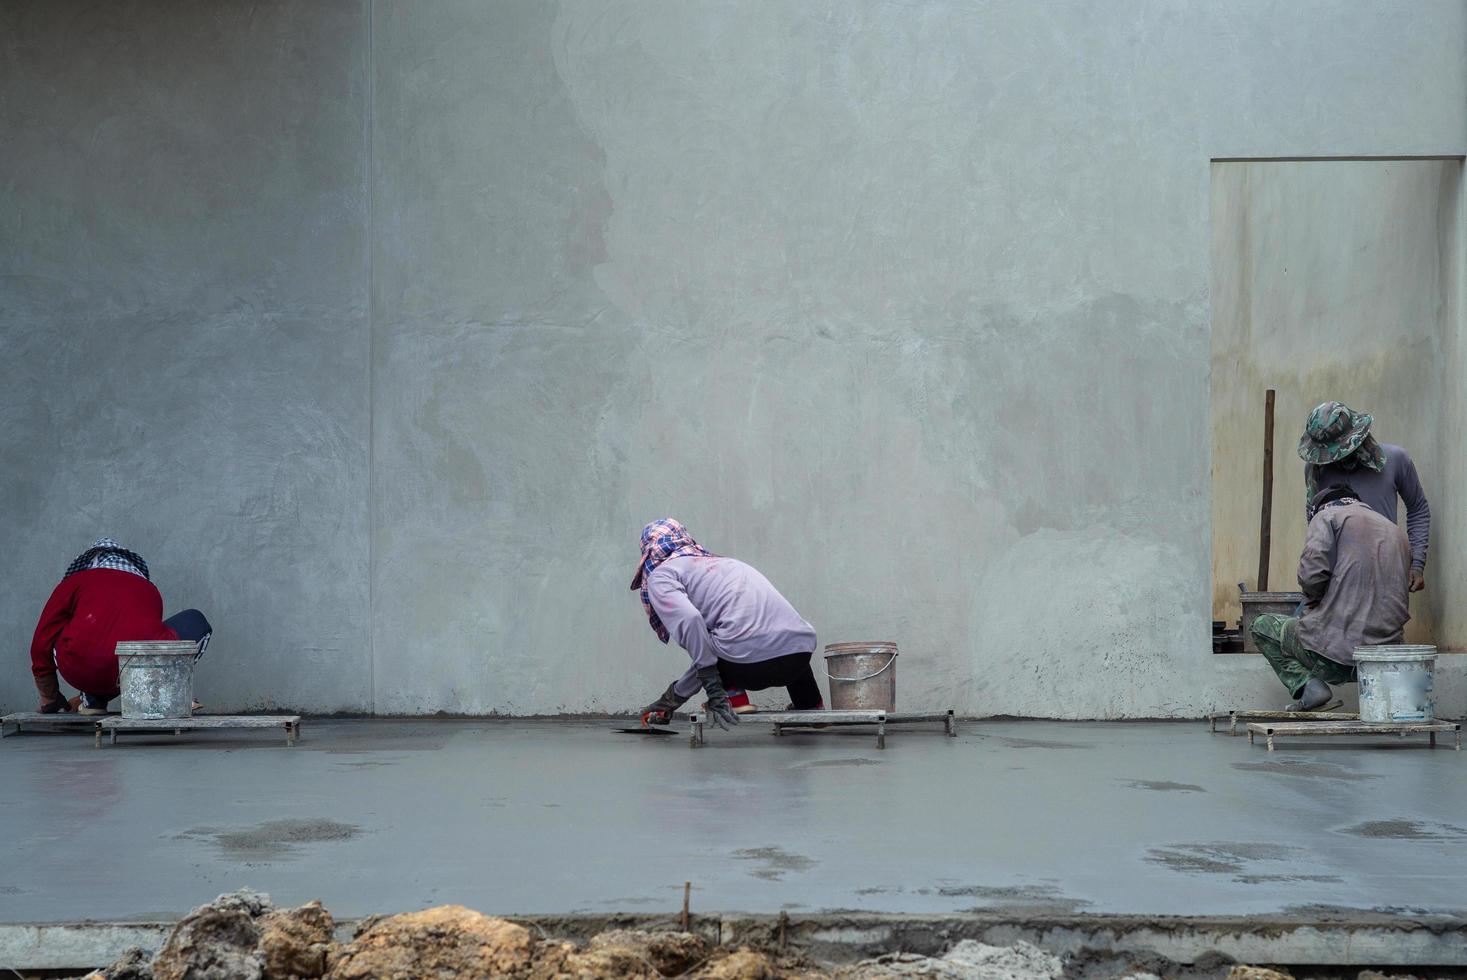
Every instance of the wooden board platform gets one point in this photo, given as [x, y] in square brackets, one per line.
[35, 721]
[1246, 715]
[1279, 729]
[114, 724]
[831, 719]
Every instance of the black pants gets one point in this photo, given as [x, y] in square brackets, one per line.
[191, 625]
[792, 672]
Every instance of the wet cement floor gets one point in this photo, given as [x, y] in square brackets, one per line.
[565, 817]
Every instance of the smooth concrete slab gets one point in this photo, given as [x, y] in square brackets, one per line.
[561, 817]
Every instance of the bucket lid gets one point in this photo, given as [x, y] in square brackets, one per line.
[874, 646]
[1294, 597]
[157, 648]
[1402, 653]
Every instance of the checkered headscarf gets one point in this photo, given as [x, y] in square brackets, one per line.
[106, 553]
[661, 540]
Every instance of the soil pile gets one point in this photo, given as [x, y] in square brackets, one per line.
[239, 936]
[242, 936]
[448, 941]
[968, 960]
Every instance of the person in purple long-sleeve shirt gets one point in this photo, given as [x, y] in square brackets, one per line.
[739, 632]
[1337, 448]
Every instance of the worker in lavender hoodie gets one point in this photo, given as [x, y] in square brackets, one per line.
[740, 633]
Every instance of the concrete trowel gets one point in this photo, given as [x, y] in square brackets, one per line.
[647, 728]
[644, 730]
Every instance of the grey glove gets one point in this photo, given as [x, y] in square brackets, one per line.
[720, 712]
[659, 712]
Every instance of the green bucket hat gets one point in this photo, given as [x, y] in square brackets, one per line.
[1332, 433]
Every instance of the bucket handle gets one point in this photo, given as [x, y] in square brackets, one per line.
[866, 678]
[127, 658]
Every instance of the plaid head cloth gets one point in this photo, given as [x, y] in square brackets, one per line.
[106, 553]
[661, 540]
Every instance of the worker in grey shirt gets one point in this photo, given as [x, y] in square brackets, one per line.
[740, 633]
[1337, 448]
[1354, 572]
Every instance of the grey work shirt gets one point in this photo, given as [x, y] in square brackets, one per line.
[1354, 573]
[721, 609]
[1378, 491]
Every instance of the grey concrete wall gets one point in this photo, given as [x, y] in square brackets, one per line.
[1330, 280]
[182, 309]
[907, 306]
[1447, 576]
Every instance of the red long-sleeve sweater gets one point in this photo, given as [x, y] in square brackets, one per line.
[86, 616]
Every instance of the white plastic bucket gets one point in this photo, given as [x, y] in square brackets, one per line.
[157, 678]
[1396, 683]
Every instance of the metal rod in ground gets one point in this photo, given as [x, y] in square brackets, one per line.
[1265, 528]
[687, 895]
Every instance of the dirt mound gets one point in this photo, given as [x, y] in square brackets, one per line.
[446, 941]
[297, 942]
[239, 936]
[968, 960]
[670, 953]
[211, 944]
[745, 964]
[242, 936]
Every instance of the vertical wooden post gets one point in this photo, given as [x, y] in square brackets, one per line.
[1265, 531]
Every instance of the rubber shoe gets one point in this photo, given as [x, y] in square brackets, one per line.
[1316, 695]
[739, 701]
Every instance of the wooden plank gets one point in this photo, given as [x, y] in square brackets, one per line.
[1302, 717]
[290, 724]
[803, 717]
[1351, 727]
[197, 722]
[59, 718]
[831, 719]
[1270, 730]
[19, 721]
[1265, 523]
[1235, 716]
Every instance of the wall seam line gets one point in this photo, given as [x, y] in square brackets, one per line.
[371, 310]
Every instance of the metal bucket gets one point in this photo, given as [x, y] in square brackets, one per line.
[862, 676]
[1396, 683]
[157, 678]
[1257, 604]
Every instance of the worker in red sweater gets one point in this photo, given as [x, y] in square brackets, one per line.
[105, 597]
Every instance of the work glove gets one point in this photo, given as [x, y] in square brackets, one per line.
[659, 712]
[50, 690]
[720, 712]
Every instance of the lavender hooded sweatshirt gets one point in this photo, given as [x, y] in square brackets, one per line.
[721, 609]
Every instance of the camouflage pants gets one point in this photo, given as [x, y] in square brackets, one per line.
[1277, 638]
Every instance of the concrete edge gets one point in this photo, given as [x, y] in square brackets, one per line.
[1348, 939]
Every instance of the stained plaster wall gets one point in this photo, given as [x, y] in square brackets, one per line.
[907, 306]
[1330, 280]
[1448, 571]
[183, 318]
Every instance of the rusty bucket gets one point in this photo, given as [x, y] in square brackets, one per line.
[862, 676]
